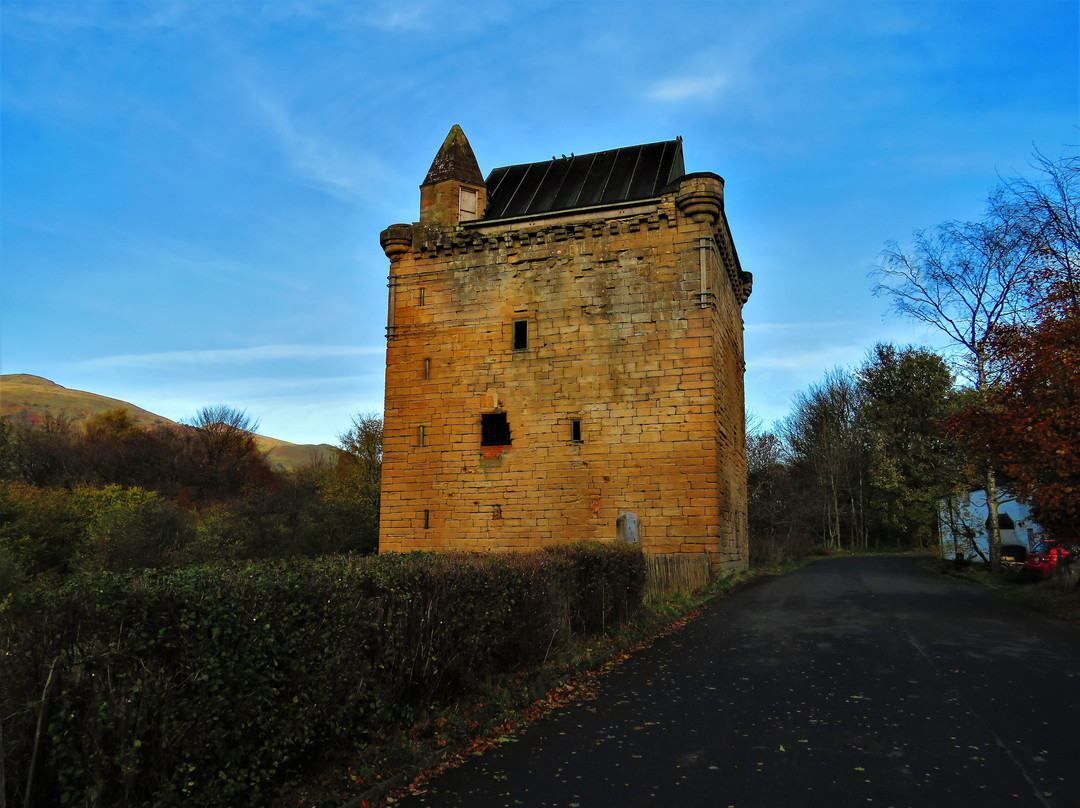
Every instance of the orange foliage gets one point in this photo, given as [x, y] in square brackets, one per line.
[1028, 428]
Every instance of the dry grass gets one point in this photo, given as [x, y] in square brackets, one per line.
[675, 574]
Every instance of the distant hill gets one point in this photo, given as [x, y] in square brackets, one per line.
[32, 398]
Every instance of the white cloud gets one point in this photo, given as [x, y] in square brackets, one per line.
[688, 88]
[813, 362]
[235, 356]
[816, 327]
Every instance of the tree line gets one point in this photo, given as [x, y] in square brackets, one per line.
[110, 494]
[860, 462]
[869, 457]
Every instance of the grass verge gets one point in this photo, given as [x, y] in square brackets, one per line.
[403, 757]
[1008, 585]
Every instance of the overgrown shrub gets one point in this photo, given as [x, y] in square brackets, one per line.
[41, 530]
[201, 686]
[11, 574]
[769, 550]
[128, 528]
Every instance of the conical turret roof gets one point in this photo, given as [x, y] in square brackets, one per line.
[455, 161]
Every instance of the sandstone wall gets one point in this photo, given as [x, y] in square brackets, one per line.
[618, 339]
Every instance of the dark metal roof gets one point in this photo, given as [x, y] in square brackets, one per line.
[584, 180]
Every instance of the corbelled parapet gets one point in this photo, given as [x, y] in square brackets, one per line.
[701, 197]
[396, 240]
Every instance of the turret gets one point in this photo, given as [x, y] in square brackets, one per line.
[454, 189]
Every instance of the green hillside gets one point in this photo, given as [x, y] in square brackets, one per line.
[32, 398]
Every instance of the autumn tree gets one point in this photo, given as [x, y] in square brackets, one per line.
[966, 280]
[1029, 426]
[112, 446]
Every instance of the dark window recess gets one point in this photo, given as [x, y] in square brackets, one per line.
[521, 335]
[421, 296]
[494, 429]
[427, 519]
[575, 431]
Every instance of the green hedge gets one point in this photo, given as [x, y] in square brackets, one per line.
[203, 686]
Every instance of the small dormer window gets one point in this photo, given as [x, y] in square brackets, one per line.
[467, 204]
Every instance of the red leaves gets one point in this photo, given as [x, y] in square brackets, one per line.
[1028, 428]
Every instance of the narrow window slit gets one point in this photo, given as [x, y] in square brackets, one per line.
[521, 335]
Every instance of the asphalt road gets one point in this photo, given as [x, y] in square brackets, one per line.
[852, 682]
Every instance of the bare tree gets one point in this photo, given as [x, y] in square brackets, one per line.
[822, 438]
[967, 280]
[227, 447]
[1047, 209]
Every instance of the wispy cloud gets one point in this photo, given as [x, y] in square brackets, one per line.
[234, 356]
[812, 362]
[784, 328]
[318, 157]
[688, 88]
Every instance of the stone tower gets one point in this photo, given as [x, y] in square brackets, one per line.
[565, 358]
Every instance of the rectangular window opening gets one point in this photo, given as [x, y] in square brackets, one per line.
[421, 297]
[521, 335]
[467, 204]
[494, 429]
[427, 519]
[420, 436]
[427, 368]
[575, 430]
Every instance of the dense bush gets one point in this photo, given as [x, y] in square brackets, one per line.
[200, 686]
[56, 531]
[41, 530]
[112, 495]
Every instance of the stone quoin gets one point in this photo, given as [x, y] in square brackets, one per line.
[565, 358]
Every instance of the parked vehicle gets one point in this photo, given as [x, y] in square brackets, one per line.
[1045, 555]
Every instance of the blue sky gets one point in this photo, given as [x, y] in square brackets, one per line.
[193, 191]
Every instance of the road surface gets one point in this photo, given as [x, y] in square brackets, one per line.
[851, 682]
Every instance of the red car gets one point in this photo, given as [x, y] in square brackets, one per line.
[1045, 556]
